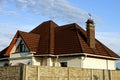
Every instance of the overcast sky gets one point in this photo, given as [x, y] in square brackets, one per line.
[27, 14]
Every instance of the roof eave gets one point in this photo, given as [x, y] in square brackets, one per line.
[81, 54]
[100, 56]
[4, 59]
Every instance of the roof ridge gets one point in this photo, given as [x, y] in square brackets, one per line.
[52, 26]
[50, 22]
[46, 30]
[68, 24]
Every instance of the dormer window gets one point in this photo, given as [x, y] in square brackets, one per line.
[21, 47]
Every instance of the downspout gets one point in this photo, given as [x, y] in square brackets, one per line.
[32, 57]
[107, 66]
[82, 59]
[57, 61]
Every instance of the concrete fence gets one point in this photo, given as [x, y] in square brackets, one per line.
[56, 73]
[10, 73]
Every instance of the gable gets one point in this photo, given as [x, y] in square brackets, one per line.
[31, 41]
[19, 46]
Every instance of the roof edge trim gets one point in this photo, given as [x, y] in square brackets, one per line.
[107, 57]
[82, 54]
[4, 59]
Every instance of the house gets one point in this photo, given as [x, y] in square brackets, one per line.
[68, 46]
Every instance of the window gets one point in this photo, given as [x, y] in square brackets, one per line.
[63, 64]
[21, 47]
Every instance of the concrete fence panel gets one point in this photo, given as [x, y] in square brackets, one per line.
[56, 73]
[10, 73]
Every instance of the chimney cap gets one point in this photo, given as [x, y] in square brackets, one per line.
[90, 21]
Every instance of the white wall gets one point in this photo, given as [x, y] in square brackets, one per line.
[72, 61]
[89, 62]
[97, 63]
[24, 57]
[36, 60]
[43, 61]
[22, 54]
[23, 61]
[111, 64]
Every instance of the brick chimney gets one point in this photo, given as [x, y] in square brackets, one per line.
[90, 33]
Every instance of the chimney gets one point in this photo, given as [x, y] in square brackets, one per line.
[90, 33]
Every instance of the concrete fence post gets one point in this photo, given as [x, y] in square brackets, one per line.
[103, 74]
[109, 74]
[24, 73]
[91, 74]
[68, 74]
[38, 68]
[21, 71]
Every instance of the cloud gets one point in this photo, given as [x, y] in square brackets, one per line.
[6, 35]
[2, 3]
[10, 13]
[7, 32]
[54, 9]
[60, 10]
[21, 3]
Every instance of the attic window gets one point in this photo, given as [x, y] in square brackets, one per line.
[21, 47]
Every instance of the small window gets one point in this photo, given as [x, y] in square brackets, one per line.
[63, 64]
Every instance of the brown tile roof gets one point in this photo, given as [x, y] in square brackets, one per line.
[66, 40]
[49, 38]
[73, 39]
[46, 32]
